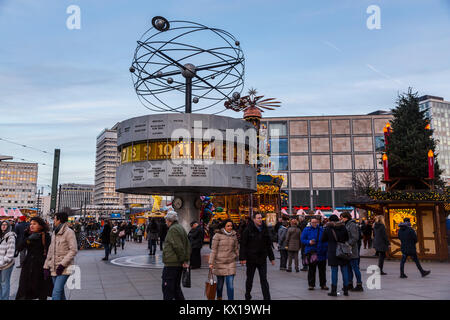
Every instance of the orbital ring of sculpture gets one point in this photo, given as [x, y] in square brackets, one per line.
[206, 64]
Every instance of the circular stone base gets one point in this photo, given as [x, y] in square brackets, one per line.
[149, 262]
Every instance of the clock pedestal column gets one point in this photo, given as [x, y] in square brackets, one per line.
[188, 212]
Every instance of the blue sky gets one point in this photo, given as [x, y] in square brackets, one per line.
[59, 88]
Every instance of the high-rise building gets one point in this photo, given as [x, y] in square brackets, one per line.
[438, 111]
[18, 184]
[75, 196]
[107, 160]
[319, 155]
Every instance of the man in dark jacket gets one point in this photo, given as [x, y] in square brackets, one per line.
[302, 224]
[196, 239]
[354, 236]
[19, 229]
[105, 237]
[408, 239]
[256, 246]
[162, 234]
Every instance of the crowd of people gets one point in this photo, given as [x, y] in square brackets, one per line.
[320, 241]
[46, 252]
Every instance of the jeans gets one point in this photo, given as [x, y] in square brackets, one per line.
[262, 270]
[58, 287]
[283, 258]
[106, 245]
[111, 246]
[293, 255]
[171, 283]
[322, 266]
[230, 288]
[5, 276]
[381, 256]
[415, 259]
[334, 275]
[152, 246]
[123, 242]
[353, 267]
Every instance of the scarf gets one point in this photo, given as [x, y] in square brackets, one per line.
[227, 233]
[58, 228]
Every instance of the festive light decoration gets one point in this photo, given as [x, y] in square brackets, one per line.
[385, 167]
[428, 127]
[410, 196]
[387, 132]
[430, 164]
[396, 216]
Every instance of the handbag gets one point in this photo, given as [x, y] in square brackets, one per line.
[186, 277]
[122, 234]
[210, 287]
[312, 256]
[343, 249]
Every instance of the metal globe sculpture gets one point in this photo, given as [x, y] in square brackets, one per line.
[179, 62]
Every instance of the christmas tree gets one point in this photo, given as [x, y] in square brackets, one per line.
[409, 143]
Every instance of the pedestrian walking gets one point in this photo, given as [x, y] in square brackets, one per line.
[105, 237]
[61, 255]
[408, 239]
[222, 259]
[354, 236]
[162, 234]
[113, 238]
[316, 254]
[212, 228]
[367, 231]
[196, 240]
[256, 246]
[19, 229]
[380, 241]
[293, 245]
[122, 234]
[176, 253]
[7, 252]
[32, 283]
[335, 232]
[152, 234]
[302, 224]
[139, 233]
[129, 231]
[282, 232]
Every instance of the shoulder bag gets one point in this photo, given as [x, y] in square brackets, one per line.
[343, 249]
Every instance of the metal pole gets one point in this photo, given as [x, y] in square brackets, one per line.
[59, 198]
[188, 95]
[55, 180]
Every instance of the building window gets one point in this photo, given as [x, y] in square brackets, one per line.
[300, 198]
[322, 198]
[280, 163]
[278, 129]
[379, 144]
[341, 196]
[282, 146]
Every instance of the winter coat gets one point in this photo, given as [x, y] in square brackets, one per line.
[293, 238]
[353, 237]
[342, 236]
[196, 237]
[225, 251]
[106, 233]
[19, 229]
[32, 284]
[176, 248]
[152, 231]
[7, 250]
[366, 229]
[256, 245]
[113, 236]
[62, 251]
[408, 238]
[282, 232]
[319, 247]
[380, 239]
[162, 231]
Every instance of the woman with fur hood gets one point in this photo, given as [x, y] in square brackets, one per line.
[222, 260]
[332, 228]
[7, 250]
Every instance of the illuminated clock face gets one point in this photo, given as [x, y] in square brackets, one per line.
[177, 203]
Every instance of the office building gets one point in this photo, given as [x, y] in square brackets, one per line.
[75, 196]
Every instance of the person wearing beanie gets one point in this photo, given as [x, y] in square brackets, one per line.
[20, 232]
[176, 253]
[335, 232]
[196, 239]
[408, 239]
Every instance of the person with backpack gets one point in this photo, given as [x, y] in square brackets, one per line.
[282, 232]
[7, 254]
[335, 233]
